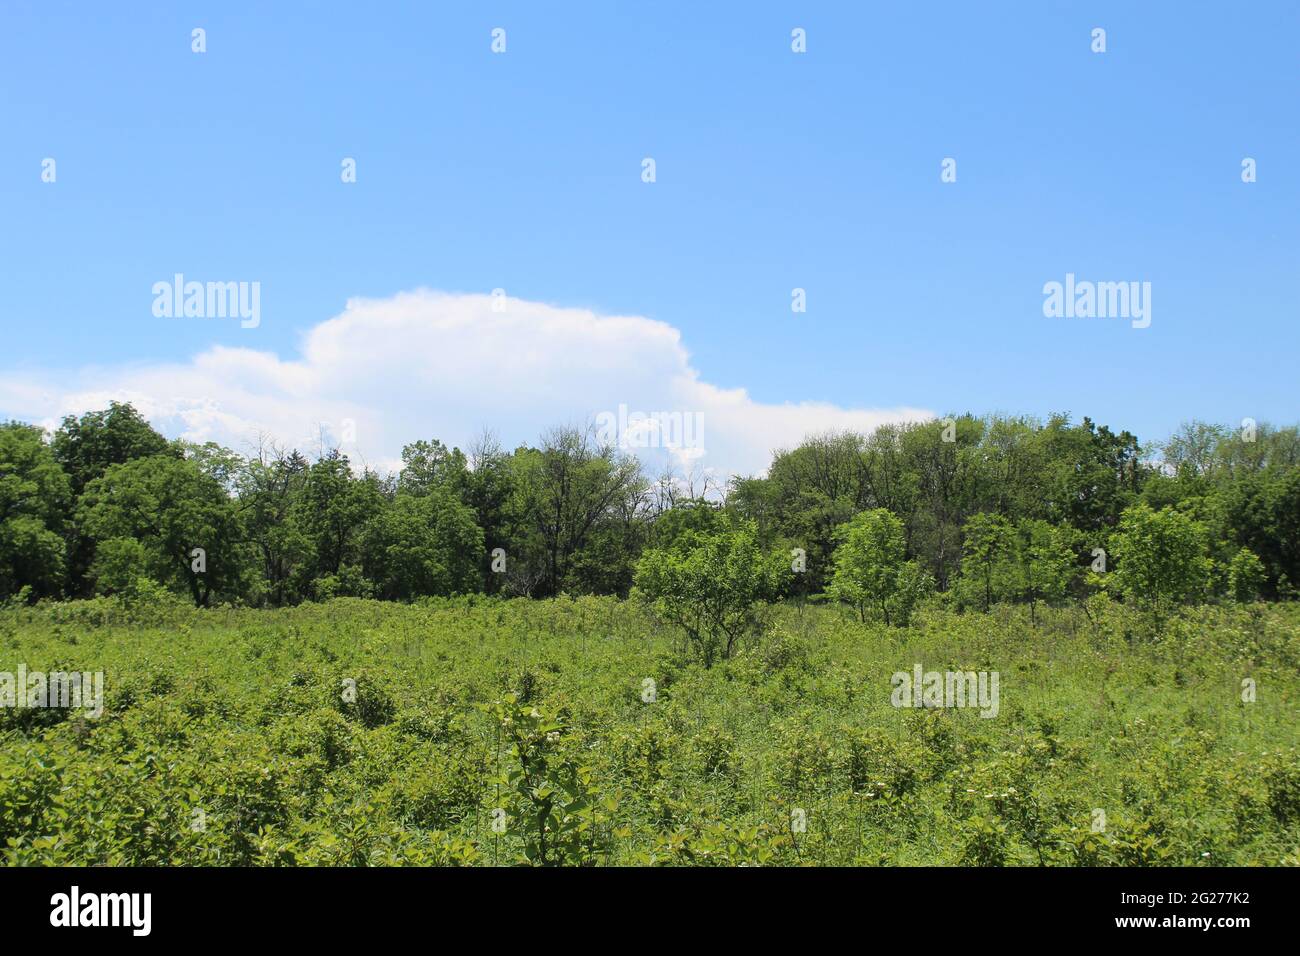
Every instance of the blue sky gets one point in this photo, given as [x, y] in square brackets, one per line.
[775, 170]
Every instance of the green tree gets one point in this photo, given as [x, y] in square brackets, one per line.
[35, 495]
[1091, 474]
[491, 489]
[1245, 576]
[1264, 513]
[868, 562]
[947, 462]
[691, 514]
[913, 585]
[818, 486]
[1047, 563]
[713, 586]
[270, 488]
[756, 500]
[121, 567]
[567, 489]
[332, 509]
[423, 545]
[989, 562]
[431, 464]
[87, 447]
[1161, 558]
[183, 517]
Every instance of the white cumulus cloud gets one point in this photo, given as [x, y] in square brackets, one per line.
[428, 364]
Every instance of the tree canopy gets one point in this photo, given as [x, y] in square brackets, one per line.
[983, 510]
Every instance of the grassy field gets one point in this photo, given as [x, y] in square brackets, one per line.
[492, 732]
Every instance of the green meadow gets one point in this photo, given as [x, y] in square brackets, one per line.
[485, 731]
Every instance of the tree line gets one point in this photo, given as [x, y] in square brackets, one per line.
[981, 509]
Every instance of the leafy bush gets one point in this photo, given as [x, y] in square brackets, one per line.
[712, 586]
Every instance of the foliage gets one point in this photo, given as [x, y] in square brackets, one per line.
[1161, 558]
[870, 570]
[426, 545]
[557, 813]
[990, 568]
[1246, 576]
[868, 561]
[35, 495]
[712, 586]
[1047, 563]
[176, 512]
[227, 738]
[987, 511]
